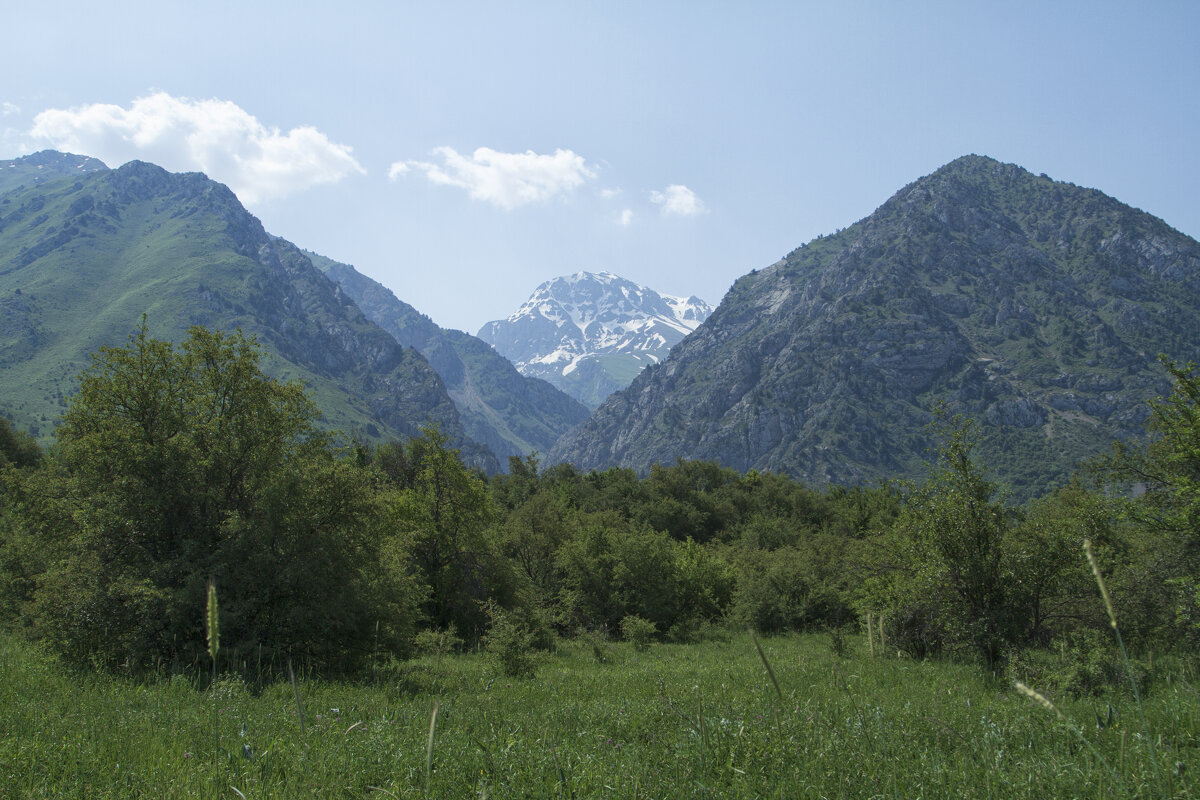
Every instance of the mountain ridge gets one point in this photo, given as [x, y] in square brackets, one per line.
[1036, 306]
[512, 414]
[82, 258]
[45, 165]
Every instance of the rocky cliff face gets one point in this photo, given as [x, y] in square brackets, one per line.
[83, 259]
[591, 334]
[512, 414]
[1038, 307]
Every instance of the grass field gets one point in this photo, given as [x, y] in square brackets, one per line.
[675, 721]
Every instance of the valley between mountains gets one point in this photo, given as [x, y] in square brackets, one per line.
[1037, 307]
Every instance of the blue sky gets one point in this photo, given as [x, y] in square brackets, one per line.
[462, 153]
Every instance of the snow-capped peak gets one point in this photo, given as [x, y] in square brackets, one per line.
[573, 318]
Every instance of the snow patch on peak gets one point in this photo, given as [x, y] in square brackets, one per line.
[586, 315]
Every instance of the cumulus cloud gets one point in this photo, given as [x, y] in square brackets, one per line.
[678, 200]
[8, 109]
[507, 180]
[216, 137]
[625, 218]
[609, 194]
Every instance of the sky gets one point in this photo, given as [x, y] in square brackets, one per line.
[463, 153]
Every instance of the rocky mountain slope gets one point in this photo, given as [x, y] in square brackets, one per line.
[591, 334]
[1036, 306]
[512, 414]
[84, 256]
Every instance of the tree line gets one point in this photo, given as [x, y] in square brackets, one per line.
[175, 466]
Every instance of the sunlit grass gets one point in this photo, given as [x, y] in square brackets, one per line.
[672, 722]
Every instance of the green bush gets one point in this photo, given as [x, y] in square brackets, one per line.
[916, 629]
[174, 466]
[509, 644]
[1090, 665]
[438, 642]
[638, 632]
[780, 591]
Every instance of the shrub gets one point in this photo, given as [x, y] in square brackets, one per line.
[638, 632]
[438, 642]
[509, 644]
[1091, 665]
[174, 466]
[780, 591]
[916, 629]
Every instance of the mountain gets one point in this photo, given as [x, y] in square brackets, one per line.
[512, 414]
[43, 166]
[84, 256]
[591, 334]
[1037, 307]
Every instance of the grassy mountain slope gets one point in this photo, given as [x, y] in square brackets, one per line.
[510, 413]
[46, 165]
[1038, 307]
[82, 259]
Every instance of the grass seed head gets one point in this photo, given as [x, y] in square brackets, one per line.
[212, 622]
[1108, 606]
[1039, 698]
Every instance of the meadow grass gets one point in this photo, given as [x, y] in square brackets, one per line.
[675, 721]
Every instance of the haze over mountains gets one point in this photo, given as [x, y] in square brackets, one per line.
[1037, 307]
[591, 334]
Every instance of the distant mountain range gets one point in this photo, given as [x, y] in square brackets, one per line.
[1036, 306]
[591, 334]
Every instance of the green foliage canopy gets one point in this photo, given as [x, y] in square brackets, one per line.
[177, 466]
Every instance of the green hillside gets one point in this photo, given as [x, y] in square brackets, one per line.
[82, 259]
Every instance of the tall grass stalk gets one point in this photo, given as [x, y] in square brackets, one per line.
[296, 694]
[1133, 684]
[212, 628]
[1112, 619]
[1045, 703]
[429, 746]
[770, 673]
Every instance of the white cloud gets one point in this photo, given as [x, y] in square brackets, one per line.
[507, 180]
[609, 194]
[625, 218]
[216, 137]
[678, 200]
[12, 141]
[8, 109]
